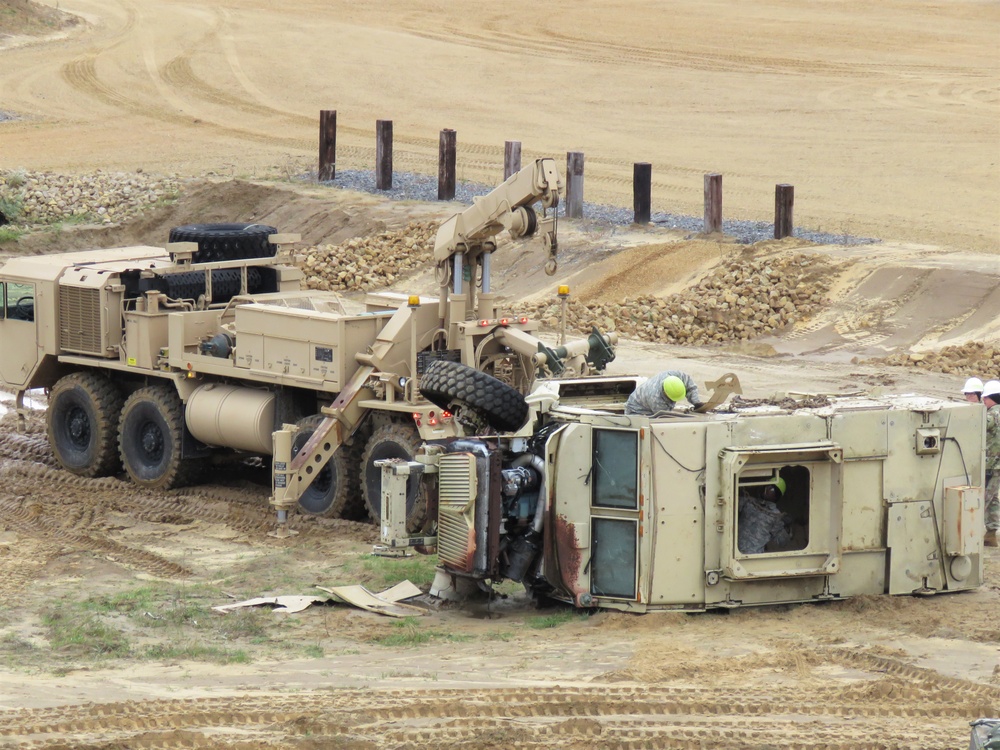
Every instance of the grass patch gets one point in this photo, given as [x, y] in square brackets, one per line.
[10, 234]
[407, 632]
[313, 651]
[196, 652]
[378, 573]
[83, 635]
[555, 619]
[12, 207]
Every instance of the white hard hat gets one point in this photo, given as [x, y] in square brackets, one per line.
[973, 385]
[992, 389]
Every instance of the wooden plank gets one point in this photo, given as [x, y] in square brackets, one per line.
[713, 203]
[511, 158]
[446, 165]
[327, 145]
[784, 202]
[383, 154]
[642, 190]
[574, 184]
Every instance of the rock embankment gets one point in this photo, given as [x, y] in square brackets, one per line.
[30, 198]
[974, 358]
[743, 298]
[364, 263]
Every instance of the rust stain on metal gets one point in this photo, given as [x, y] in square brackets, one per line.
[568, 554]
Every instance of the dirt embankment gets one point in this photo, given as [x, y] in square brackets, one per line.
[22, 19]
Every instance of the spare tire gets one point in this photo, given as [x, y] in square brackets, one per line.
[445, 382]
[217, 242]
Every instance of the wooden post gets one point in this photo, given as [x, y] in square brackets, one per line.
[574, 184]
[784, 200]
[446, 165]
[383, 154]
[642, 188]
[327, 145]
[511, 158]
[713, 203]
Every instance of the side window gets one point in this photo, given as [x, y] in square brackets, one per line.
[616, 469]
[19, 301]
[774, 511]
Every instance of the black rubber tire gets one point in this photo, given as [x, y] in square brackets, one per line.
[150, 435]
[445, 382]
[217, 242]
[393, 440]
[83, 413]
[337, 487]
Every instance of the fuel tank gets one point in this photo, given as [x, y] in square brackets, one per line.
[231, 417]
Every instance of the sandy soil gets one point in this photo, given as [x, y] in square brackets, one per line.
[884, 116]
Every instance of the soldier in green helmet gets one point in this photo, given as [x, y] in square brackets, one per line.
[761, 522]
[661, 393]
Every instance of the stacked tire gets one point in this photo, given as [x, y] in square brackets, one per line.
[220, 242]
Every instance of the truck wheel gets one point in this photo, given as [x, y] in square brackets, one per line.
[393, 440]
[445, 382]
[337, 486]
[83, 424]
[150, 434]
[227, 241]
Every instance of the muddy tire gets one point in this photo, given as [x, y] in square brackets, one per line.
[393, 440]
[336, 490]
[445, 382]
[218, 242]
[150, 435]
[83, 424]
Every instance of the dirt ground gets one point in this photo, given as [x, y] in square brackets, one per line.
[884, 116]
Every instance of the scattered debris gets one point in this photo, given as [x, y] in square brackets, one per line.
[280, 603]
[383, 603]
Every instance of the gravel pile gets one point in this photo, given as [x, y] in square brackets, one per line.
[28, 198]
[409, 186]
[370, 262]
[742, 299]
[967, 360]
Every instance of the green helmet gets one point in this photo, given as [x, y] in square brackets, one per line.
[780, 484]
[674, 388]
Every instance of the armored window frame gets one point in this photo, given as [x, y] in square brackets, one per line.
[615, 481]
[614, 564]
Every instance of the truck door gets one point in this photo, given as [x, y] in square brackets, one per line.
[18, 332]
[616, 514]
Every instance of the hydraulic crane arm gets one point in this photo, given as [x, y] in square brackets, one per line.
[508, 207]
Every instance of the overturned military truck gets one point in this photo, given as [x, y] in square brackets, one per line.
[591, 506]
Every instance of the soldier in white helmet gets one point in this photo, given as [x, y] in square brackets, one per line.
[661, 393]
[991, 399]
[973, 390]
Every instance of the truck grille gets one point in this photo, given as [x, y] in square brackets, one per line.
[80, 320]
[456, 510]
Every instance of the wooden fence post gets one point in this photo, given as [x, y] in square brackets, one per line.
[642, 188]
[784, 201]
[446, 165]
[383, 154]
[511, 158]
[574, 184]
[327, 145]
[713, 203]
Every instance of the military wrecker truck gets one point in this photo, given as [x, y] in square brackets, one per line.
[463, 433]
[162, 360]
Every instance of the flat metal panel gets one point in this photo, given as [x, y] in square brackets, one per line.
[913, 555]
[963, 520]
[864, 509]
[861, 434]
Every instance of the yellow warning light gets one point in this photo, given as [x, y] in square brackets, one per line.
[564, 290]
[413, 301]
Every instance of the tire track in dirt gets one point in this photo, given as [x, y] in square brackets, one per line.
[640, 716]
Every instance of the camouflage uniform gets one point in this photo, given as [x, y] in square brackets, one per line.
[993, 467]
[648, 398]
[760, 522]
